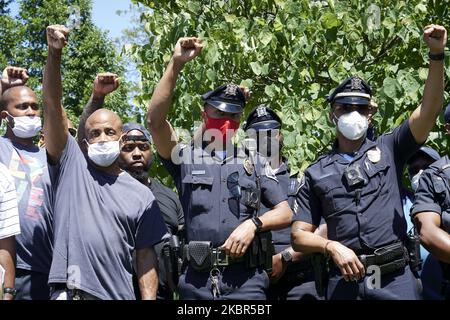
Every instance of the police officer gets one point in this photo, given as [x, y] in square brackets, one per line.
[291, 277]
[356, 189]
[431, 214]
[430, 273]
[220, 188]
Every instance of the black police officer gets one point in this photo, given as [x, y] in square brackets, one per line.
[356, 189]
[219, 186]
[292, 274]
[431, 214]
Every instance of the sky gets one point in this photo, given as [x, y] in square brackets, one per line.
[104, 15]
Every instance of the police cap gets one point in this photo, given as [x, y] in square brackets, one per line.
[227, 98]
[262, 118]
[353, 90]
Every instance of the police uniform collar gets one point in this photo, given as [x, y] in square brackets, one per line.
[336, 157]
[284, 167]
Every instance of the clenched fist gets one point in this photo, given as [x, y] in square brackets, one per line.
[187, 49]
[57, 36]
[435, 37]
[13, 77]
[104, 84]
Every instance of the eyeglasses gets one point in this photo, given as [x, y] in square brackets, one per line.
[233, 185]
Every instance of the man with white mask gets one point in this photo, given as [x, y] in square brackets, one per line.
[103, 215]
[20, 111]
[356, 189]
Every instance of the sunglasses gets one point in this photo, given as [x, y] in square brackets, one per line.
[73, 132]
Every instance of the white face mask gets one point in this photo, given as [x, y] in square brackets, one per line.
[104, 153]
[26, 127]
[415, 181]
[353, 125]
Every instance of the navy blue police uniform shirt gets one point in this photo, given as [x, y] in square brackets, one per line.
[368, 215]
[281, 238]
[433, 193]
[211, 209]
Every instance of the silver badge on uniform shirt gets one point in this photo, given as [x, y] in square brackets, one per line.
[248, 167]
[374, 155]
[269, 172]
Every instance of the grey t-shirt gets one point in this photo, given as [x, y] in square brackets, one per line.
[28, 166]
[100, 220]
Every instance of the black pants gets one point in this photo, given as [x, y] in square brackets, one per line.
[31, 285]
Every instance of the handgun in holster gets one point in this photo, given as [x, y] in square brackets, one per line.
[321, 273]
[412, 244]
[267, 250]
[172, 261]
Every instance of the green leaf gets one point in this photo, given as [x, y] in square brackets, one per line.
[230, 18]
[391, 88]
[256, 68]
[329, 20]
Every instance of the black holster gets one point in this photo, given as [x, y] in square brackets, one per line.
[412, 244]
[260, 252]
[321, 273]
[172, 255]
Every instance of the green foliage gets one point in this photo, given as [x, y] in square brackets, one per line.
[23, 43]
[292, 53]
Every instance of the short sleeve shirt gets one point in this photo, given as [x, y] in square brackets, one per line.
[433, 193]
[368, 214]
[100, 220]
[9, 215]
[214, 191]
[28, 166]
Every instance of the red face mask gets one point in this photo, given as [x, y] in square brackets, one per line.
[226, 126]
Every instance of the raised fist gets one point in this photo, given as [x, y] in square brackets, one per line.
[435, 37]
[13, 77]
[57, 36]
[187, 49]
[105, 83]
[246, 91]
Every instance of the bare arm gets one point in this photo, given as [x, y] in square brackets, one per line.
[55, 119]
[424, 117]
[147, 272]
[238, 242]
[104, 84]
[8, 262]
[436, 240]
[303, 239]
[162, 132]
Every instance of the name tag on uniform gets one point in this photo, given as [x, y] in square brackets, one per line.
[198, 172]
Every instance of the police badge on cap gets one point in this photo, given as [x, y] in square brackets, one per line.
[227, 98]
[353, 90]
[262, 118]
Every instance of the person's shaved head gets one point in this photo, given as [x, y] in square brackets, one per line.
[103, 125]
[17, 96]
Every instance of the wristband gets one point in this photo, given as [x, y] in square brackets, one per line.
[436, 57]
